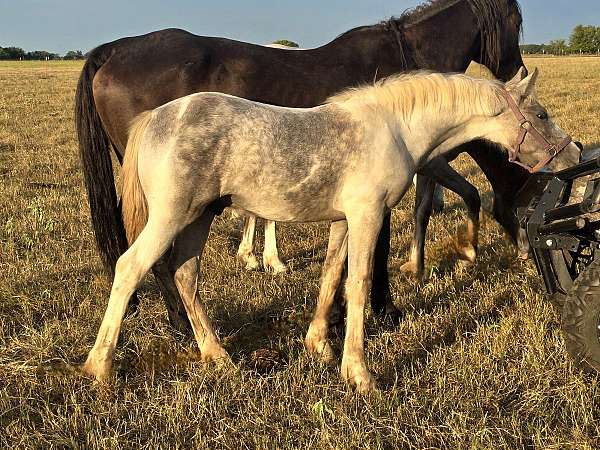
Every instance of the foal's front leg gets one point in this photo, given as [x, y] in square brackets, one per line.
[363, 229]
[316, 341]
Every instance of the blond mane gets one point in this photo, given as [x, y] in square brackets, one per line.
[415, 91]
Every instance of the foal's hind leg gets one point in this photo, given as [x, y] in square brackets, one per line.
[131, 267]
[270, 254]
[246, 249]
[316, 341]
[185, 265]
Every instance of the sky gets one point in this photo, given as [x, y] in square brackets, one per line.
[62, 25]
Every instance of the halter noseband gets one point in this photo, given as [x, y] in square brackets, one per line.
[525, 126]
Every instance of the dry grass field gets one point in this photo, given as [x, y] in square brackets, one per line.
[477, 362]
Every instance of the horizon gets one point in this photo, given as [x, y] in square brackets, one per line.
[45, 26]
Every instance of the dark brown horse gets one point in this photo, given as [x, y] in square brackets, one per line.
[125, 77]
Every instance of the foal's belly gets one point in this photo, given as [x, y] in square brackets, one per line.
[287, 208]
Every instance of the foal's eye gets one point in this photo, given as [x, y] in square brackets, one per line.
[542, 115]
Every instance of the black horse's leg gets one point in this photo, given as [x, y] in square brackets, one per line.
[381, 297]
[175, 309]
[438, 198]
[134, 301]
[445, 175]
[441, 172]
[422, 212]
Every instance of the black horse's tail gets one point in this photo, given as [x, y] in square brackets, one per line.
[94, 151]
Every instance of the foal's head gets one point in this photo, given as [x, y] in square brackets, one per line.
[525, 129]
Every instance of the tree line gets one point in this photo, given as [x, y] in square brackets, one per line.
[18, 54]
[584, 39]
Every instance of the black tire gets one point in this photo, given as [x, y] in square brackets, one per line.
[566, 273]
[581, 318]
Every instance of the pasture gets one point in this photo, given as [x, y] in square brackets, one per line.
[477, 362]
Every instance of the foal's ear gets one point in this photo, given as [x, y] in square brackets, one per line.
[526, 86]
[519, 76]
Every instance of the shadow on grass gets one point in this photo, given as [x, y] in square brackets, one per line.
[463, 325]
[5, 158]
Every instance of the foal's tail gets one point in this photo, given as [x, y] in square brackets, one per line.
[135, 207]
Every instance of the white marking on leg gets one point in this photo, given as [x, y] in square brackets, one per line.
[270, 254]
[246, 249]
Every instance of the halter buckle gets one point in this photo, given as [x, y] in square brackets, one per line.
[525, 124]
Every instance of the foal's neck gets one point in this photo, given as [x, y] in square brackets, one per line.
[432, 131]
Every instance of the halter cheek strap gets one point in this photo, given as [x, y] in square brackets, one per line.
[525, 126]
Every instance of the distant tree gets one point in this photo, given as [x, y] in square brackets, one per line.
[286, 43]
[597, 40]
[584, 39]
[12, 53]
[74, 54]
[41, 55]
[558, 47]
[532, 49]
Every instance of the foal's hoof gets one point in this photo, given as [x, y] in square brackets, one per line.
[274, 265]
[319, 348]
[249, 261]
[213, 353]
[99, 372]
[467, 254]
[360, 378]
[410, 268]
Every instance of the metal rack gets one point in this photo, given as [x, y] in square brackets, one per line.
[563, 241]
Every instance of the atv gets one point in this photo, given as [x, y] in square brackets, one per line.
[564, 241]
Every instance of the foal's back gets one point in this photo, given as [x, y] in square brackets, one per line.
[267, 158]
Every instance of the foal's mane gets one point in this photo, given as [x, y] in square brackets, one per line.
[406, 93]
[491, 18]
